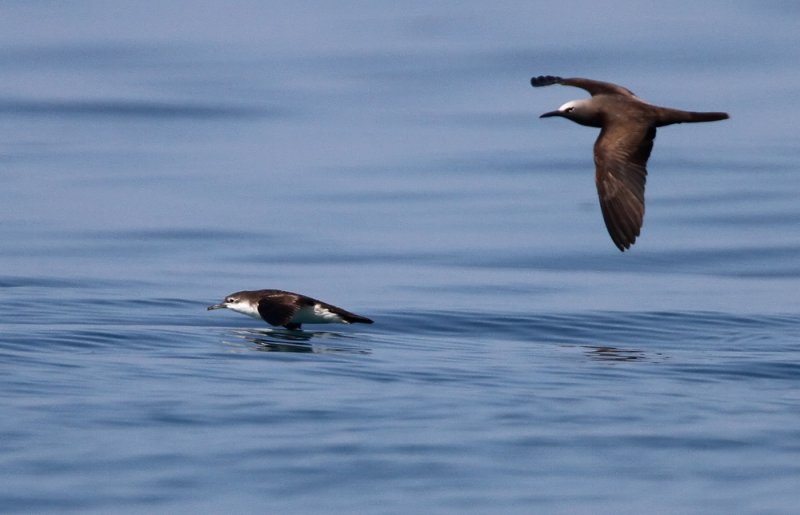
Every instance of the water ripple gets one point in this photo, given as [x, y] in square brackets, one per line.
[133, 109]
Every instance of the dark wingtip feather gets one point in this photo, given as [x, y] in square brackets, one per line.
[623, 222]
[623, 241]
[620, 235]
[544, 80]
[360, 319]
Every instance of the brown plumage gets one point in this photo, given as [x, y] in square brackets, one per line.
[628, 127]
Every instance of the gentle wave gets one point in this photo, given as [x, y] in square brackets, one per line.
[133, 109]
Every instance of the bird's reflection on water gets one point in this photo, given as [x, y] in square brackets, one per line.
[286, 340]
[611, 354]
[606, 353]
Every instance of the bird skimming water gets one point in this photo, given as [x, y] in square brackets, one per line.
[287, 309]
[628, 126]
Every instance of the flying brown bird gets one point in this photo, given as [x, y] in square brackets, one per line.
[628, 126]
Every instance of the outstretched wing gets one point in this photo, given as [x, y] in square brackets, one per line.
[595, 87]
[347, 316]
[278, 309]
[620, 157]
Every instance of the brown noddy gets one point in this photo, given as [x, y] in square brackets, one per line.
[287, 309]
[628, 126]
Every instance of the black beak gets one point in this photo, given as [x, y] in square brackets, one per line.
[551, 113]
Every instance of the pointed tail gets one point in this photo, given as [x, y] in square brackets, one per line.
[670, 116]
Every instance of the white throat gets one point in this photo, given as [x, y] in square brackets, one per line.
[245, 308]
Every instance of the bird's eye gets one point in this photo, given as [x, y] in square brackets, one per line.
[228, 300]
[569, 109]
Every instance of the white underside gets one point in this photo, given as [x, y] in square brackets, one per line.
[316, 314]
[245, 308]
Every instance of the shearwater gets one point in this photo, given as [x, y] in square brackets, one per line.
[287, 309]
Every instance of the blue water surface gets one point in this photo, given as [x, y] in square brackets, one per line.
[388, 158]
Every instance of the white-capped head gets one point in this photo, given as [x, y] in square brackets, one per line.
[580, 111]
[575, 107]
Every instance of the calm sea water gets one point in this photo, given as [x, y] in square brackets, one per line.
[389, 159]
